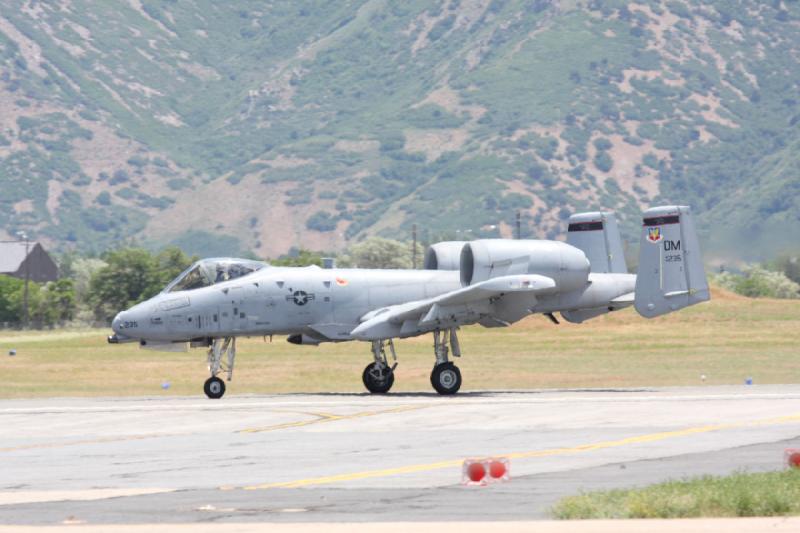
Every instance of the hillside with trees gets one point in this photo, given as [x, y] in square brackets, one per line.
[247, 126]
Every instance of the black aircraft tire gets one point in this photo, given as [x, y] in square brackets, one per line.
[377, 386]
[214, 388]
[446, 378]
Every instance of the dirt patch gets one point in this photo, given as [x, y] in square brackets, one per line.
[136, 5]
[734, 30]
[200, 71]
[718, 293]
[24, 206]
[170, 119]
[54, 189]
[554, 131]
[711, 114]
[285, 162]
[450, 100]
[626, 158]
[83, 31]
[280, 87]
[425, 23]
[115, 95]
[433, 143]
[30, 51]
[518, 187]
[549, 218]
[105, 152]
[506, 231]
[72, 49]
[361, 146]
[142, 89]
[658, 24]
[705, 45]
[649, 75]
[467, 14]
[219, 207]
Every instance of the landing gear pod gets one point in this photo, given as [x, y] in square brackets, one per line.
[671, 274]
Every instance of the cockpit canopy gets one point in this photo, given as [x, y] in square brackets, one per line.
[207, 272]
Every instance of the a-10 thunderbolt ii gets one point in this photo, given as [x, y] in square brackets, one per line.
[492, 282]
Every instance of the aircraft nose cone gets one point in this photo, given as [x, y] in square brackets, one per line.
[116, 322]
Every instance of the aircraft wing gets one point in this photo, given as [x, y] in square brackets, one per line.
[462, 306]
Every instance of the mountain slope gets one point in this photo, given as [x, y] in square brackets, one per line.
[244, 125]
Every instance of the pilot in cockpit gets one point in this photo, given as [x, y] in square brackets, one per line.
[222, 275]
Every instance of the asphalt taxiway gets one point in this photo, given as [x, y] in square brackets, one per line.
[357, 458]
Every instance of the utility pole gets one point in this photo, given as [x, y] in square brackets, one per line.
[414, 245]
[519, 225]
[24, 235]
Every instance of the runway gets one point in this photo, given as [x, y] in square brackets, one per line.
[357, 458]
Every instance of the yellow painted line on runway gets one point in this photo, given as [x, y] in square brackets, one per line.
[410, 469]
[321, 418]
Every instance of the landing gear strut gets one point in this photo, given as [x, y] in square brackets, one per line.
[214, 387]
[378, 377]
[446, 377]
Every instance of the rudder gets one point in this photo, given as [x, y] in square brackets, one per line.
[597, 235]
[671, 274]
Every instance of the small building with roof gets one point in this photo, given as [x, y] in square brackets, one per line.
[18, 258]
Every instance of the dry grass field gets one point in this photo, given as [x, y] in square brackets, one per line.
[727, 340]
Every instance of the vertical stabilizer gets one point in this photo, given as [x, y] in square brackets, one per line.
[671, 274]
[597, 235]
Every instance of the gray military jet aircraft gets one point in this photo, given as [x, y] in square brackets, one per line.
[492, 282]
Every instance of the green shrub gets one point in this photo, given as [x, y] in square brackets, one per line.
[177, 184]
[789, 264]
[603, 161]
[138, 161]
[322, 221]
[758, 282]
[103, 198]
[601, 143]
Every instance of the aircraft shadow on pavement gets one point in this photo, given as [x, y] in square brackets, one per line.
[468, 394]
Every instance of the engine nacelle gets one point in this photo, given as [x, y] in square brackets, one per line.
[490, 258]
[444, 255]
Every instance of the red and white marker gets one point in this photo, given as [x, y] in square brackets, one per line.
[485, 471]
[791, 457]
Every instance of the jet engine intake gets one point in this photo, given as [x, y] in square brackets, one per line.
[489, 258]
[443, 255]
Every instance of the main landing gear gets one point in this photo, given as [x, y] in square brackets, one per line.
[446, 377]
[214, 387]
[378, 376]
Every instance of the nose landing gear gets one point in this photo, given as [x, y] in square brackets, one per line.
[214, 387]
